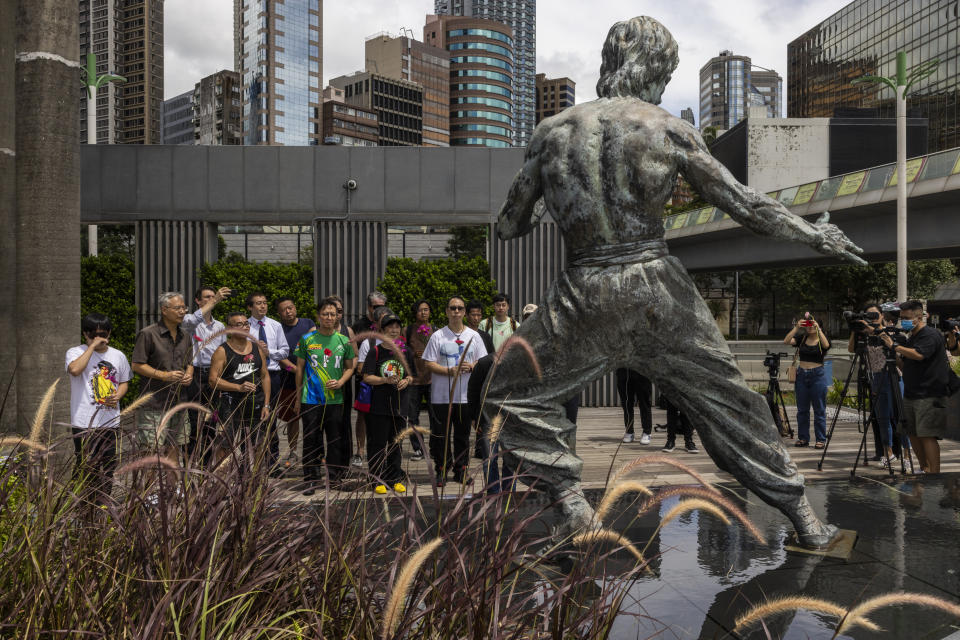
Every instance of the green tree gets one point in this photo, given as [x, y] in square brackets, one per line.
[709, 135]
[407, 280]
[469, 241]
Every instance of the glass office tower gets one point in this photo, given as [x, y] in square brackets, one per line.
[864, 38]
[278, 52]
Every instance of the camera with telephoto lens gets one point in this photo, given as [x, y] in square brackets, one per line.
[949, 325]
[772, 362]
[859, 321]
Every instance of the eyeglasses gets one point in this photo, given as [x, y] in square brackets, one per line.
[180, 308]
[451, 308]
[241, 324]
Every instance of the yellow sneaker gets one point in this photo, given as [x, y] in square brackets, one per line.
[399, 488]
[380, 489]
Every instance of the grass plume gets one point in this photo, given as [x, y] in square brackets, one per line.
[175, 410]
[136, 404]
[409, 431]
[661, 459]
[516, 341]
[385, 341]
[705, 494]
[36, 427]
[856, 615]
[693, 504]
[17, 441]
[613, 494]
[792, 603]
[607, 535]
[403, 583]
[148, 462]
[496, 424]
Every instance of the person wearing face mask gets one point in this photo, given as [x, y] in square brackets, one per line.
[926, 375]
[812, 383]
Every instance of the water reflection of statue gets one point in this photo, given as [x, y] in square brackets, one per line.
[605, 170]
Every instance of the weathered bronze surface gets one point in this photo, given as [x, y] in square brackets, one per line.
[605, 169]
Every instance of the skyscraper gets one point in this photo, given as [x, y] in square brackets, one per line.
[217, 109]
[687, 114]
[177, 119]
[863, 38]
[127, 38]
[554, 95]
[481, 78]
[404, 58]
[521, 17]
[398, 105]
[730, 85]
[278, 53]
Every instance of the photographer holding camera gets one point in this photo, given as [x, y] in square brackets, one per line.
[952, 334]
[811, 384]
[926, 374]
[867, 327]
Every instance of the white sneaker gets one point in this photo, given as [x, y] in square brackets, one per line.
[628, 437]
[888, 462]
[645, 438]
[356, 461]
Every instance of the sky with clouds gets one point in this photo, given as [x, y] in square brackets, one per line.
[199, 36]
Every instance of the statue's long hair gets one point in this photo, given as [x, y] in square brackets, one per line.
[639, 57]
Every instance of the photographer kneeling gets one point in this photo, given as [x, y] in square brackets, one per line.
[925, 378]
[881, 398]
[811, 384]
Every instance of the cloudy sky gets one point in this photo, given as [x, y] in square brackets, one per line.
[199, 35]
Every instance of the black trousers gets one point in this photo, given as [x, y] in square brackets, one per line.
[202, 431]
[417, 395]
[346, 423]
[634, 389]
[96, 450]
[676, 423]
[319, 421]
[440, 438]
[383, 454]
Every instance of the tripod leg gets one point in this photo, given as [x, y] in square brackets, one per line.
[843, 395]
[782, 408]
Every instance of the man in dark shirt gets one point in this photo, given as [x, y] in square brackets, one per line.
[162, 356]
[472, 320]
[925, 375]
[376, 307]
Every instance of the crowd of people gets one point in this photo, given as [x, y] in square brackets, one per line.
[251, 378]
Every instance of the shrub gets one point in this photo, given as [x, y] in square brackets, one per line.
[406, 280]
[274, 280]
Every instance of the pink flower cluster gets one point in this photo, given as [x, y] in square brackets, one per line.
[424, 329]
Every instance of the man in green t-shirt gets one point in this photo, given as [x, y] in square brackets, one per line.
[325, 361]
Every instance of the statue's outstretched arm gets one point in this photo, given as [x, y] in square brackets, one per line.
[519, 214]
[756, 211]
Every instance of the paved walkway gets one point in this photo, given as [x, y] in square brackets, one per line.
[599, 444]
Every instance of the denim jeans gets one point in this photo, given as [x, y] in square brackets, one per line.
[811, 388]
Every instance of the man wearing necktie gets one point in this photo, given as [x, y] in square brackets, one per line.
[269, 334]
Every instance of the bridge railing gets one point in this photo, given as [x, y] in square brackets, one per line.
[929, 167]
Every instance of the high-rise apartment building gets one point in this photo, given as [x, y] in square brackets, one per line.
[349, 126]
[176, 119]
[127, 38]
[404, 58]
[730, 85]
[863, 38]
[217, 103]
[481, 78]
[554, 95]
[398, 105]
[687, 114]
[521, 17]
[279, 54]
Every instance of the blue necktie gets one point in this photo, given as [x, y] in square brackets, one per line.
[263, 333]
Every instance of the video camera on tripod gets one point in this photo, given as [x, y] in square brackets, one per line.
[774, 395]
[772, 363]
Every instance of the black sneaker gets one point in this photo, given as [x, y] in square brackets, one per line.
[670, 446]
[691, 446]
[310, 490]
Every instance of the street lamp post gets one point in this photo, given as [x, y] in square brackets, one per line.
[900, 84]
[92, 83]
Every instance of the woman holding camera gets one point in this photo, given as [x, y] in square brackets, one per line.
[811, 385]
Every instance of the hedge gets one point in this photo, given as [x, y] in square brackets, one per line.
[274, 280]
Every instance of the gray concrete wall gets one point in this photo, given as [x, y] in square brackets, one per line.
[783, 152]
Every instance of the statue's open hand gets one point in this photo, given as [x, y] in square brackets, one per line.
[834, 242]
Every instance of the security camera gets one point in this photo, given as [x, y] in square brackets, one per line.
[350, 184]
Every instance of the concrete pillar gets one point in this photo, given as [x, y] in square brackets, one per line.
[8, 214]
[47, 77]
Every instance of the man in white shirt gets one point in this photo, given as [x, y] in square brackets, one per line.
[99, 375]
[269, 335]
[456, 346]
[206, 335]
[500, 326]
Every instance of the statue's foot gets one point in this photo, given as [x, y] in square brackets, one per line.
[820, 538]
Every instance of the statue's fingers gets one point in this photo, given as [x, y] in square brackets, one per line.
[853, 248]
[854, 258]
[824, 219]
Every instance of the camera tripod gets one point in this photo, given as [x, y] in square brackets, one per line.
[866, 417]
[774, 397]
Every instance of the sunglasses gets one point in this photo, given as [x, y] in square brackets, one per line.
[455, 308]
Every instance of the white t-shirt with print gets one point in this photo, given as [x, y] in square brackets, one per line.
[444, 350]
[103, 374]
